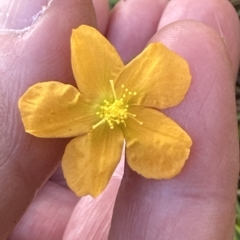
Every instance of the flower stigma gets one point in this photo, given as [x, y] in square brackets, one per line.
[117, 111]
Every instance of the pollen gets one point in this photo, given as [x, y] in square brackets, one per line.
[116, 112]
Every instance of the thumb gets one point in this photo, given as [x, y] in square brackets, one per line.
[38, 52]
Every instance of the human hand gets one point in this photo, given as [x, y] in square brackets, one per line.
[199, 202]
[40, 51]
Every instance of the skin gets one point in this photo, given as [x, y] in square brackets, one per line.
[197, 204]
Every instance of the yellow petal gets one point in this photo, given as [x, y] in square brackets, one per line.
[53, 109]
[90, 160]
[159, 147]
[95, 62]
[160, 77]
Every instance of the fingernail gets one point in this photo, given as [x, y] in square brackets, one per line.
[19, 14]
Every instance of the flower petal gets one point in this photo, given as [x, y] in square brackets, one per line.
[95, 62]
[90, 160]
[53, 109]
[159, 147]
[159, 76]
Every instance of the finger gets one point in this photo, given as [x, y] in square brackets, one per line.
[129, 30]
[58, 177]
[19, 14]
[218, 14]
[47, 216]
[91, 218]
[40, 52]
[102, 14]
[206, 186]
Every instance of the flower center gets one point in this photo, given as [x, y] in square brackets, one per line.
[117, 111]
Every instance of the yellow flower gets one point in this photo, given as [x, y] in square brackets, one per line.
[114, 102]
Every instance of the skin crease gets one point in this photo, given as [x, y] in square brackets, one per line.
[140, 27]
[102, 14]
[187, 207]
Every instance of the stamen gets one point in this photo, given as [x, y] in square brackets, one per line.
[115, 112]
[133, 115]
[98, 124]
[133, 118]
[113, 90]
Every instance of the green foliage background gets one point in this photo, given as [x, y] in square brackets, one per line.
[237, 225]
[112, 3]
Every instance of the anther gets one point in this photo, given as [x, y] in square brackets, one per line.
[116, 111]
[133, 118]
[113, 90]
